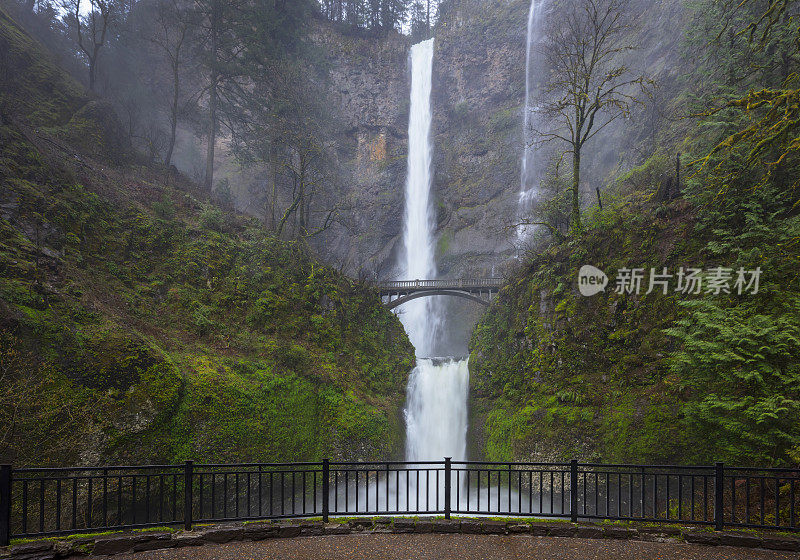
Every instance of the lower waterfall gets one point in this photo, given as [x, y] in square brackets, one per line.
[436, 410]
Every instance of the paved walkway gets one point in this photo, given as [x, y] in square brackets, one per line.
[455, 547]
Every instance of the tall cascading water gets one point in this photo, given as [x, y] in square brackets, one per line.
[527, 193]
[420, 317]
[436, 409]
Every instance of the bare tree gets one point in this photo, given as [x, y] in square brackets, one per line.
[170, 34]
[305, 164]
[589, 86]
[91, 30]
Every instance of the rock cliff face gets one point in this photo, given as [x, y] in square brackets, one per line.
[478, 98]
[368, 85]
[479, 91]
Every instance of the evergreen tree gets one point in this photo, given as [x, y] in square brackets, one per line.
[237, 42]
[418, 20]
[375, 15]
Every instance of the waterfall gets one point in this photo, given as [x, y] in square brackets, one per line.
[420, 316]
[527, 193]
[436, 409]
[436, 414]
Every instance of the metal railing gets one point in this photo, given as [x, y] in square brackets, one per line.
[37, 502]
[461, 284]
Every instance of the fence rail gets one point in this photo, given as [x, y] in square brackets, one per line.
[38, 502]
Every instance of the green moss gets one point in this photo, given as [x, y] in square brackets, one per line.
[443, 245]
[165, 328]
[44, 93]
[580, 377]
[503, 121]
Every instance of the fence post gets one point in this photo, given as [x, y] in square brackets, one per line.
[719, 496]
[5, 504]
[326, 473]
[447, 473]
[188, 472]
[573, 490]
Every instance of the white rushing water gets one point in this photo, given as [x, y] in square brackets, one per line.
[528, 192]
[436, 413]
[436, 409]
[420, 316]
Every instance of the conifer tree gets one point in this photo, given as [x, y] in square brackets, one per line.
[237, 42]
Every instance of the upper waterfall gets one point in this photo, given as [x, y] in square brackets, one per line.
[420, 317]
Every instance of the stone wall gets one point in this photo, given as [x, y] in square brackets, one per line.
[129, 543]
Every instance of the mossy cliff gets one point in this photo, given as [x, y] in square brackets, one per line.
[139, 322]
[649, 377]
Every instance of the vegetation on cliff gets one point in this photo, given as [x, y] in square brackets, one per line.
[677, 376]
[140, 322]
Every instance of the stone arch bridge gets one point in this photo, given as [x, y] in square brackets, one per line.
[479, 290]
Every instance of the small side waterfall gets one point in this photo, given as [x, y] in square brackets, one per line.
[436, 409]
[528, 192]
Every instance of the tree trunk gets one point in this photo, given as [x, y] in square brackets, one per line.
[208, 182]
[302, 208]
[286, 215]
[428, 16]
[173, 116]
[93, 63]
[576, 186]
[91, 74]
[212, 133]
[274, 174]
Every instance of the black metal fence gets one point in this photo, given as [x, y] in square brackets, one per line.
[50, 501]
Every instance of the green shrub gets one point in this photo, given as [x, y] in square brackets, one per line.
[165, 209]
[201, 322]
[211, 218]
[291, 356]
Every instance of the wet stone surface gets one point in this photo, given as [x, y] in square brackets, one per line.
[202, 542]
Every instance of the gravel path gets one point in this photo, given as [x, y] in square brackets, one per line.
[455, 547]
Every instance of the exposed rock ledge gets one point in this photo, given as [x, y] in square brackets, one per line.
[107, 545]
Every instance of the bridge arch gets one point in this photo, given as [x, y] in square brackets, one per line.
[426, 293]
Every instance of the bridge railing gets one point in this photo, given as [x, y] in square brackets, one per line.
[51, 501]
[441, 284]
